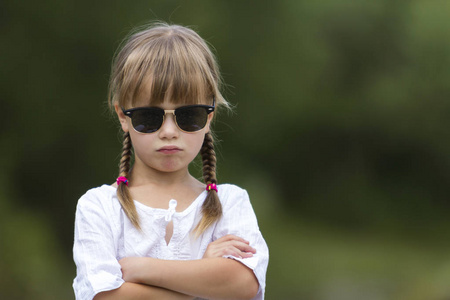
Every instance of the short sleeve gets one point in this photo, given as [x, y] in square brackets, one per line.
[94, 250]
[239, 219]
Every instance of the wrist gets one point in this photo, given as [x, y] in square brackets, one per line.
[137, 269]
[155, 271]
[148, 271]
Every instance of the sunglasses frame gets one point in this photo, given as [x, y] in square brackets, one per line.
[129, 113]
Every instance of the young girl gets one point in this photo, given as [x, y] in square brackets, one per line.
[158, 232]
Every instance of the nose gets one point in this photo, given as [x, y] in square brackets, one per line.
[169, 128]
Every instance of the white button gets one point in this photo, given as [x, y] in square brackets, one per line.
[171, 210]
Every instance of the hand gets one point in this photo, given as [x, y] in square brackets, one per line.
[133, 268]
[229, 245]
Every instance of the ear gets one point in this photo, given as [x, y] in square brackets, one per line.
[122, 118]
[210, 117]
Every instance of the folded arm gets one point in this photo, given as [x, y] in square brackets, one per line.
[212, 278]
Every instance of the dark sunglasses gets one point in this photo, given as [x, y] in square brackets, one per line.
[189, 118]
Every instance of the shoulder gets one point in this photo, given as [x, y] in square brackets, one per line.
[228, 187]
[227, 190]
[230, 194]
[97, 207]
[101, 196]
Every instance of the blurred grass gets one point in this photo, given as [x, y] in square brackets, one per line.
[34, 264]
[308, 261]
[313, 261]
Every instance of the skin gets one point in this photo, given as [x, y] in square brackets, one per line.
[166, 175]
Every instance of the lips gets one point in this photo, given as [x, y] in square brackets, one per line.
[169, 149]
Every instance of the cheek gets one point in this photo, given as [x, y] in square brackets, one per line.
[197, 142]
[140, 143]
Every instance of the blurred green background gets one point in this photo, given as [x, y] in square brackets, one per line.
[341, 135]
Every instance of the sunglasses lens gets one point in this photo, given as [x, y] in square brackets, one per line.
[147, 120]
[191, 118]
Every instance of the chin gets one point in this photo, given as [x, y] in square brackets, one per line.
[171, 167]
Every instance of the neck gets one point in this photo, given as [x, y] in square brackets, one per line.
[142, 176]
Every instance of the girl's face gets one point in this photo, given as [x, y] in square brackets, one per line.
[167, 150]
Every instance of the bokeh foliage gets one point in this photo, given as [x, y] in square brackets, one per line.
[340, 133]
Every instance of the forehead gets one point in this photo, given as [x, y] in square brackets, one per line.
[175, 95]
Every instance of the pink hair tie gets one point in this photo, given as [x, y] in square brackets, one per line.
[122, 179]
[212, 186]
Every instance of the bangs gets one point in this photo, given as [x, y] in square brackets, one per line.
[172, 67]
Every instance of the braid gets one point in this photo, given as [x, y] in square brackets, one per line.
[124, 166]
[123, 193]
[211, 208]
[208, 159]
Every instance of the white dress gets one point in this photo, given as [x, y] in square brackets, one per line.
[104, 235]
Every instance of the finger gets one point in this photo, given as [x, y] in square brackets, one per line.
[233, 252]
[243, 247]
[238, 253]
[231, 237]
[247, 248]
[246, 254]
[225, 248]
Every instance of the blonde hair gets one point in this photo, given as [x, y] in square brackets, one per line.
[175, 64]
